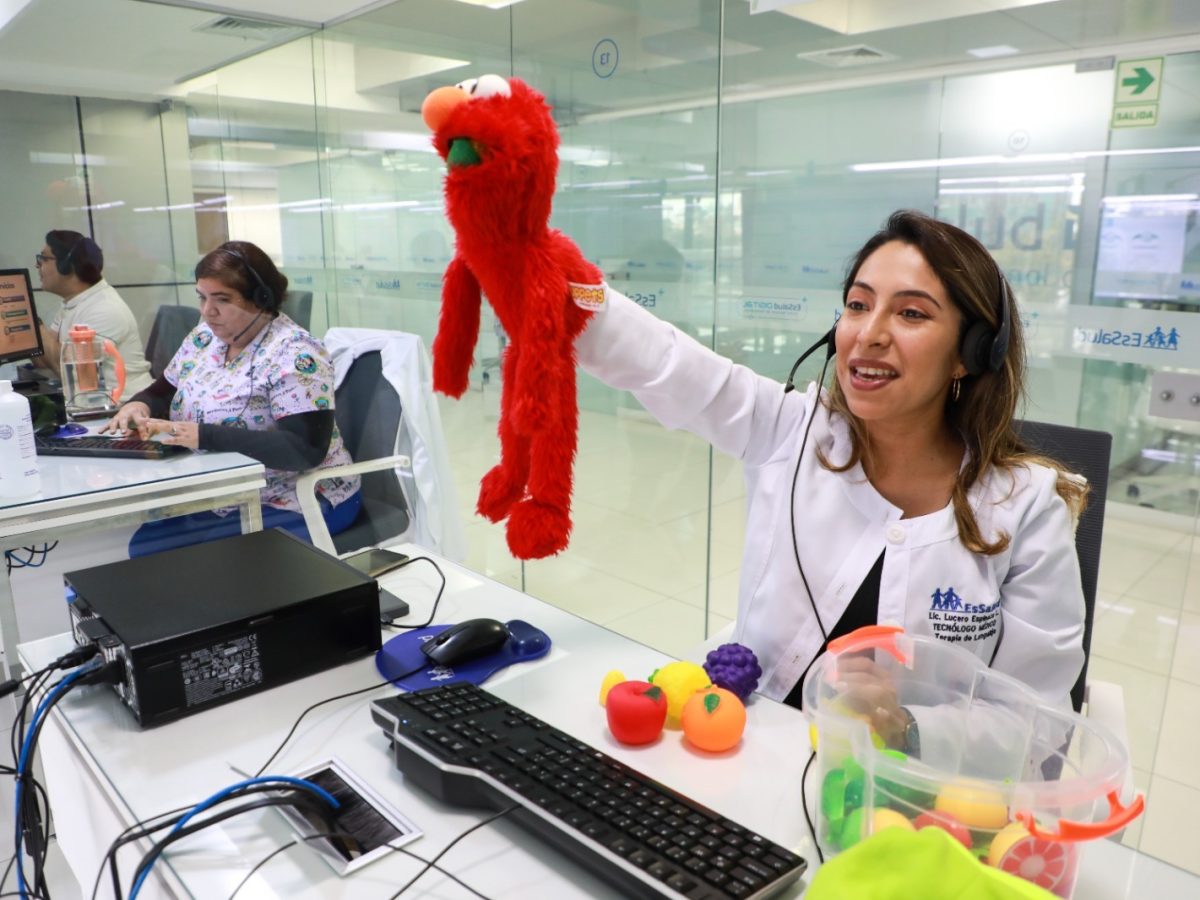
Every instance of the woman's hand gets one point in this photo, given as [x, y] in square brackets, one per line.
[869, 691]
[185, 434]
[128, 419]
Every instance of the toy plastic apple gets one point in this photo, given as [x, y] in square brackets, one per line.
[636, 712]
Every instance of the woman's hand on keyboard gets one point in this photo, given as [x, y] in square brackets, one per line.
[128, 419]
[185, 434]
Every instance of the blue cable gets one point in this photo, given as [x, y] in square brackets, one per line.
[26, 748]
[221, 795]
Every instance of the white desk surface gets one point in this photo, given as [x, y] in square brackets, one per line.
[69, 480]
[142, 773]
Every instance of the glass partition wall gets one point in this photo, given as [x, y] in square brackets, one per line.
[720, 162]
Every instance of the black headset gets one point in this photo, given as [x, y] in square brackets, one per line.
[262, 296]
[982, 349]
[63, 264]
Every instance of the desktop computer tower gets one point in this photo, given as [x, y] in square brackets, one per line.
[210, 623]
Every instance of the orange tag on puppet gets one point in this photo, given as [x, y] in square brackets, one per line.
[589, 296]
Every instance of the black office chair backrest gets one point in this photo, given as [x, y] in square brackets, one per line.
[367, 411]
[1088, 453]
[297, 306]
[172, 323]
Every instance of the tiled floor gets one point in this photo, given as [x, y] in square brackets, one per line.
[639, 558]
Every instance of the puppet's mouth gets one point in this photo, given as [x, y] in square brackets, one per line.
[462, 153]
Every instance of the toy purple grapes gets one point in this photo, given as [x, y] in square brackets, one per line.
[735, 668]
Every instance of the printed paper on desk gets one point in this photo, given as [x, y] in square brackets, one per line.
[388, 828]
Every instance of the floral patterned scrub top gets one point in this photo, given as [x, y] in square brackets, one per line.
[283, 371]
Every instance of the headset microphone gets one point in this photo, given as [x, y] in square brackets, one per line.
[237, 337]
[826, 339]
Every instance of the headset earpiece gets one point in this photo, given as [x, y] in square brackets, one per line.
[982, 349]
[262, 296]
[64, 264]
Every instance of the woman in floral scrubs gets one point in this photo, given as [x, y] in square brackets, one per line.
[247, 379]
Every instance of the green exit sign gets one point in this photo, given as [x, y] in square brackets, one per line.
[1136, 93]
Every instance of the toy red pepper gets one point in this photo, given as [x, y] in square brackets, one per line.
[501, 149]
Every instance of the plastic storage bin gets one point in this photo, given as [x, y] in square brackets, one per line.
[1019, 782]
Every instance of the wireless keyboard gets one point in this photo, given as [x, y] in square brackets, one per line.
[469, 748]
[128, 448]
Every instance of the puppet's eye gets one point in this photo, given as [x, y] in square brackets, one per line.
[470, 86]
[490, 86]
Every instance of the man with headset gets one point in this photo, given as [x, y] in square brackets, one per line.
[71, 266]
[899, 495]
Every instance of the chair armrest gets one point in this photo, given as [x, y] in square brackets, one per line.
[1106, 706]
[310, 507]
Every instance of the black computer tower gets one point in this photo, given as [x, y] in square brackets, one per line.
[213, 622]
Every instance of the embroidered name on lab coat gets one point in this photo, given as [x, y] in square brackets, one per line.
[955, 620]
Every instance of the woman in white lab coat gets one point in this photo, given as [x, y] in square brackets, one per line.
[902, 495]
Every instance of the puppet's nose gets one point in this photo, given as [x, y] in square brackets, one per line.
[439, 104]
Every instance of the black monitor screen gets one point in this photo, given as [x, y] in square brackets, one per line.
[20, 337]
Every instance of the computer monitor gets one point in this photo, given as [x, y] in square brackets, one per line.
[20, 337]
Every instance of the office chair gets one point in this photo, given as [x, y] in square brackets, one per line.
[297, 306]
[1088, 453]
[367, 410]
[172, 324]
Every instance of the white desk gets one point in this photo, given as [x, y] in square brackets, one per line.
[79, 493]
[104, 773]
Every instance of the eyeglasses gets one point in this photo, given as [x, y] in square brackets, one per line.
[42, 257]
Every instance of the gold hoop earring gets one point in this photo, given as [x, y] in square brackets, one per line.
[956, 390]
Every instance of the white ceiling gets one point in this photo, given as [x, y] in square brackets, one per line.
[145, 49]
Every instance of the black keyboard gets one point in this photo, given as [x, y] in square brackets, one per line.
[468, 747]
[128, 448]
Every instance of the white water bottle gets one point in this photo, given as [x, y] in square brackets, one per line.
[19, 476]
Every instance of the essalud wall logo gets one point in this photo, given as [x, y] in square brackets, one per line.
[1134, 340]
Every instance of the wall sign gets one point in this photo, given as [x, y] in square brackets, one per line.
[1138, 87]
[605, 56]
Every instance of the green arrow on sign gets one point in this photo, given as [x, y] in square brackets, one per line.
[1139, 83]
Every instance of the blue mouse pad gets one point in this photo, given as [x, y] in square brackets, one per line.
[403, 654]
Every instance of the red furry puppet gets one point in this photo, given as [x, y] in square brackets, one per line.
[501, 150]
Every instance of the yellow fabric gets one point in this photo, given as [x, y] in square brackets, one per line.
[897, 864]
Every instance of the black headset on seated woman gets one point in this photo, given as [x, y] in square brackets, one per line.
[982, 349]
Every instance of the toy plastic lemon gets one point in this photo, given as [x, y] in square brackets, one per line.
[852, 830]
[976, 806]
[679, 680]
[611, 680]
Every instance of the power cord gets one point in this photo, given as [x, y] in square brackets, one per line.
[433, 862]
[179, 829]
[432, 614]
[436, 600]
[804, 806]
[12, 561]
[145, 828]
[32, 821]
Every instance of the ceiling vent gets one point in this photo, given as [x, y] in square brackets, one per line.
[846, 57]
[251, 29]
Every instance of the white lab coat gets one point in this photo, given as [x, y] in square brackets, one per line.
[931, 584]
[429, 488]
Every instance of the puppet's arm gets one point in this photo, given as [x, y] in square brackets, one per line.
[543, 343]
[458, 330]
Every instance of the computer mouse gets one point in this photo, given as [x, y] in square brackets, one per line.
[465, 641]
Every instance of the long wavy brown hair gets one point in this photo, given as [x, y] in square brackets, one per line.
[984, 412]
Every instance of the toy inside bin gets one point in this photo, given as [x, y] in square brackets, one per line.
[1020, 783]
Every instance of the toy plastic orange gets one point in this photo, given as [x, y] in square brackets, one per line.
[947, 823]
[975, 805]
[714, 719]
[679, 680]
[1048, 864]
